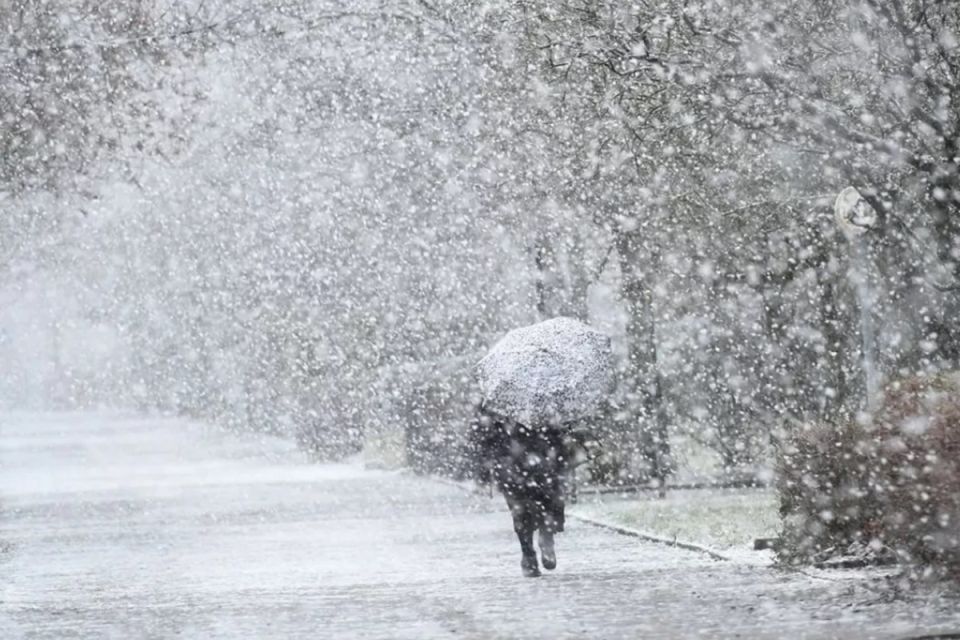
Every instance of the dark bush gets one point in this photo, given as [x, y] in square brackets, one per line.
[885, 483]
[437, 417]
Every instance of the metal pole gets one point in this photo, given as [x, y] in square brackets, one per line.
[855, 217]
[867, 334]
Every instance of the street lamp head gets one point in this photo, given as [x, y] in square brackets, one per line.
[853, 214]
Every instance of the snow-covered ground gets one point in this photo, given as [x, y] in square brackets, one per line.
[127, 527]
[724, 520]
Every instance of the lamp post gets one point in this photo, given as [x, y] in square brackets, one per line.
[855, 217]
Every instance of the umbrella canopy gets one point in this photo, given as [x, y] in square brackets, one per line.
[556, 371]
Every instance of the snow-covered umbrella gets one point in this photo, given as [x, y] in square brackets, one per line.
[555, 371]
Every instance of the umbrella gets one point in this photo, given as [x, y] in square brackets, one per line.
[555, 371]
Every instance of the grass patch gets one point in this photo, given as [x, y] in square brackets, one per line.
[720, 519]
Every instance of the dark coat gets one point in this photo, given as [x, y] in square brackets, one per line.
[528, 465]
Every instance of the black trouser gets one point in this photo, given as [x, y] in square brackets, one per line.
[534, 506]
[527, 464]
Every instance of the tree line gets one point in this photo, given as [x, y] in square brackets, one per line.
[311, 217]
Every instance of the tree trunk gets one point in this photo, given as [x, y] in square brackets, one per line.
[578, 280]
[946, 214]
[543, 275]
[559, 291]
[644, 387]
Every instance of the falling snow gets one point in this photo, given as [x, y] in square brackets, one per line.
[300, 224]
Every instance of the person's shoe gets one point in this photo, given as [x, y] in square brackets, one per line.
[529, 567]
[547, 553]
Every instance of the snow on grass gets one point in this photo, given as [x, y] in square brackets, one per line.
[724, 520]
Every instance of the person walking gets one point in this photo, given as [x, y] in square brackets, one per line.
[528, 465]
[535, 382]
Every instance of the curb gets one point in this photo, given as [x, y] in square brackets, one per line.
[649, 537]
[600, 524]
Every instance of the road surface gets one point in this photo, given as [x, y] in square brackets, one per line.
[120, 527]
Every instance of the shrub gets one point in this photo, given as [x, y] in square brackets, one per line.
[436, 418]
[888, 482]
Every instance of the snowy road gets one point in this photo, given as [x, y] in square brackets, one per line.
[130, 528]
